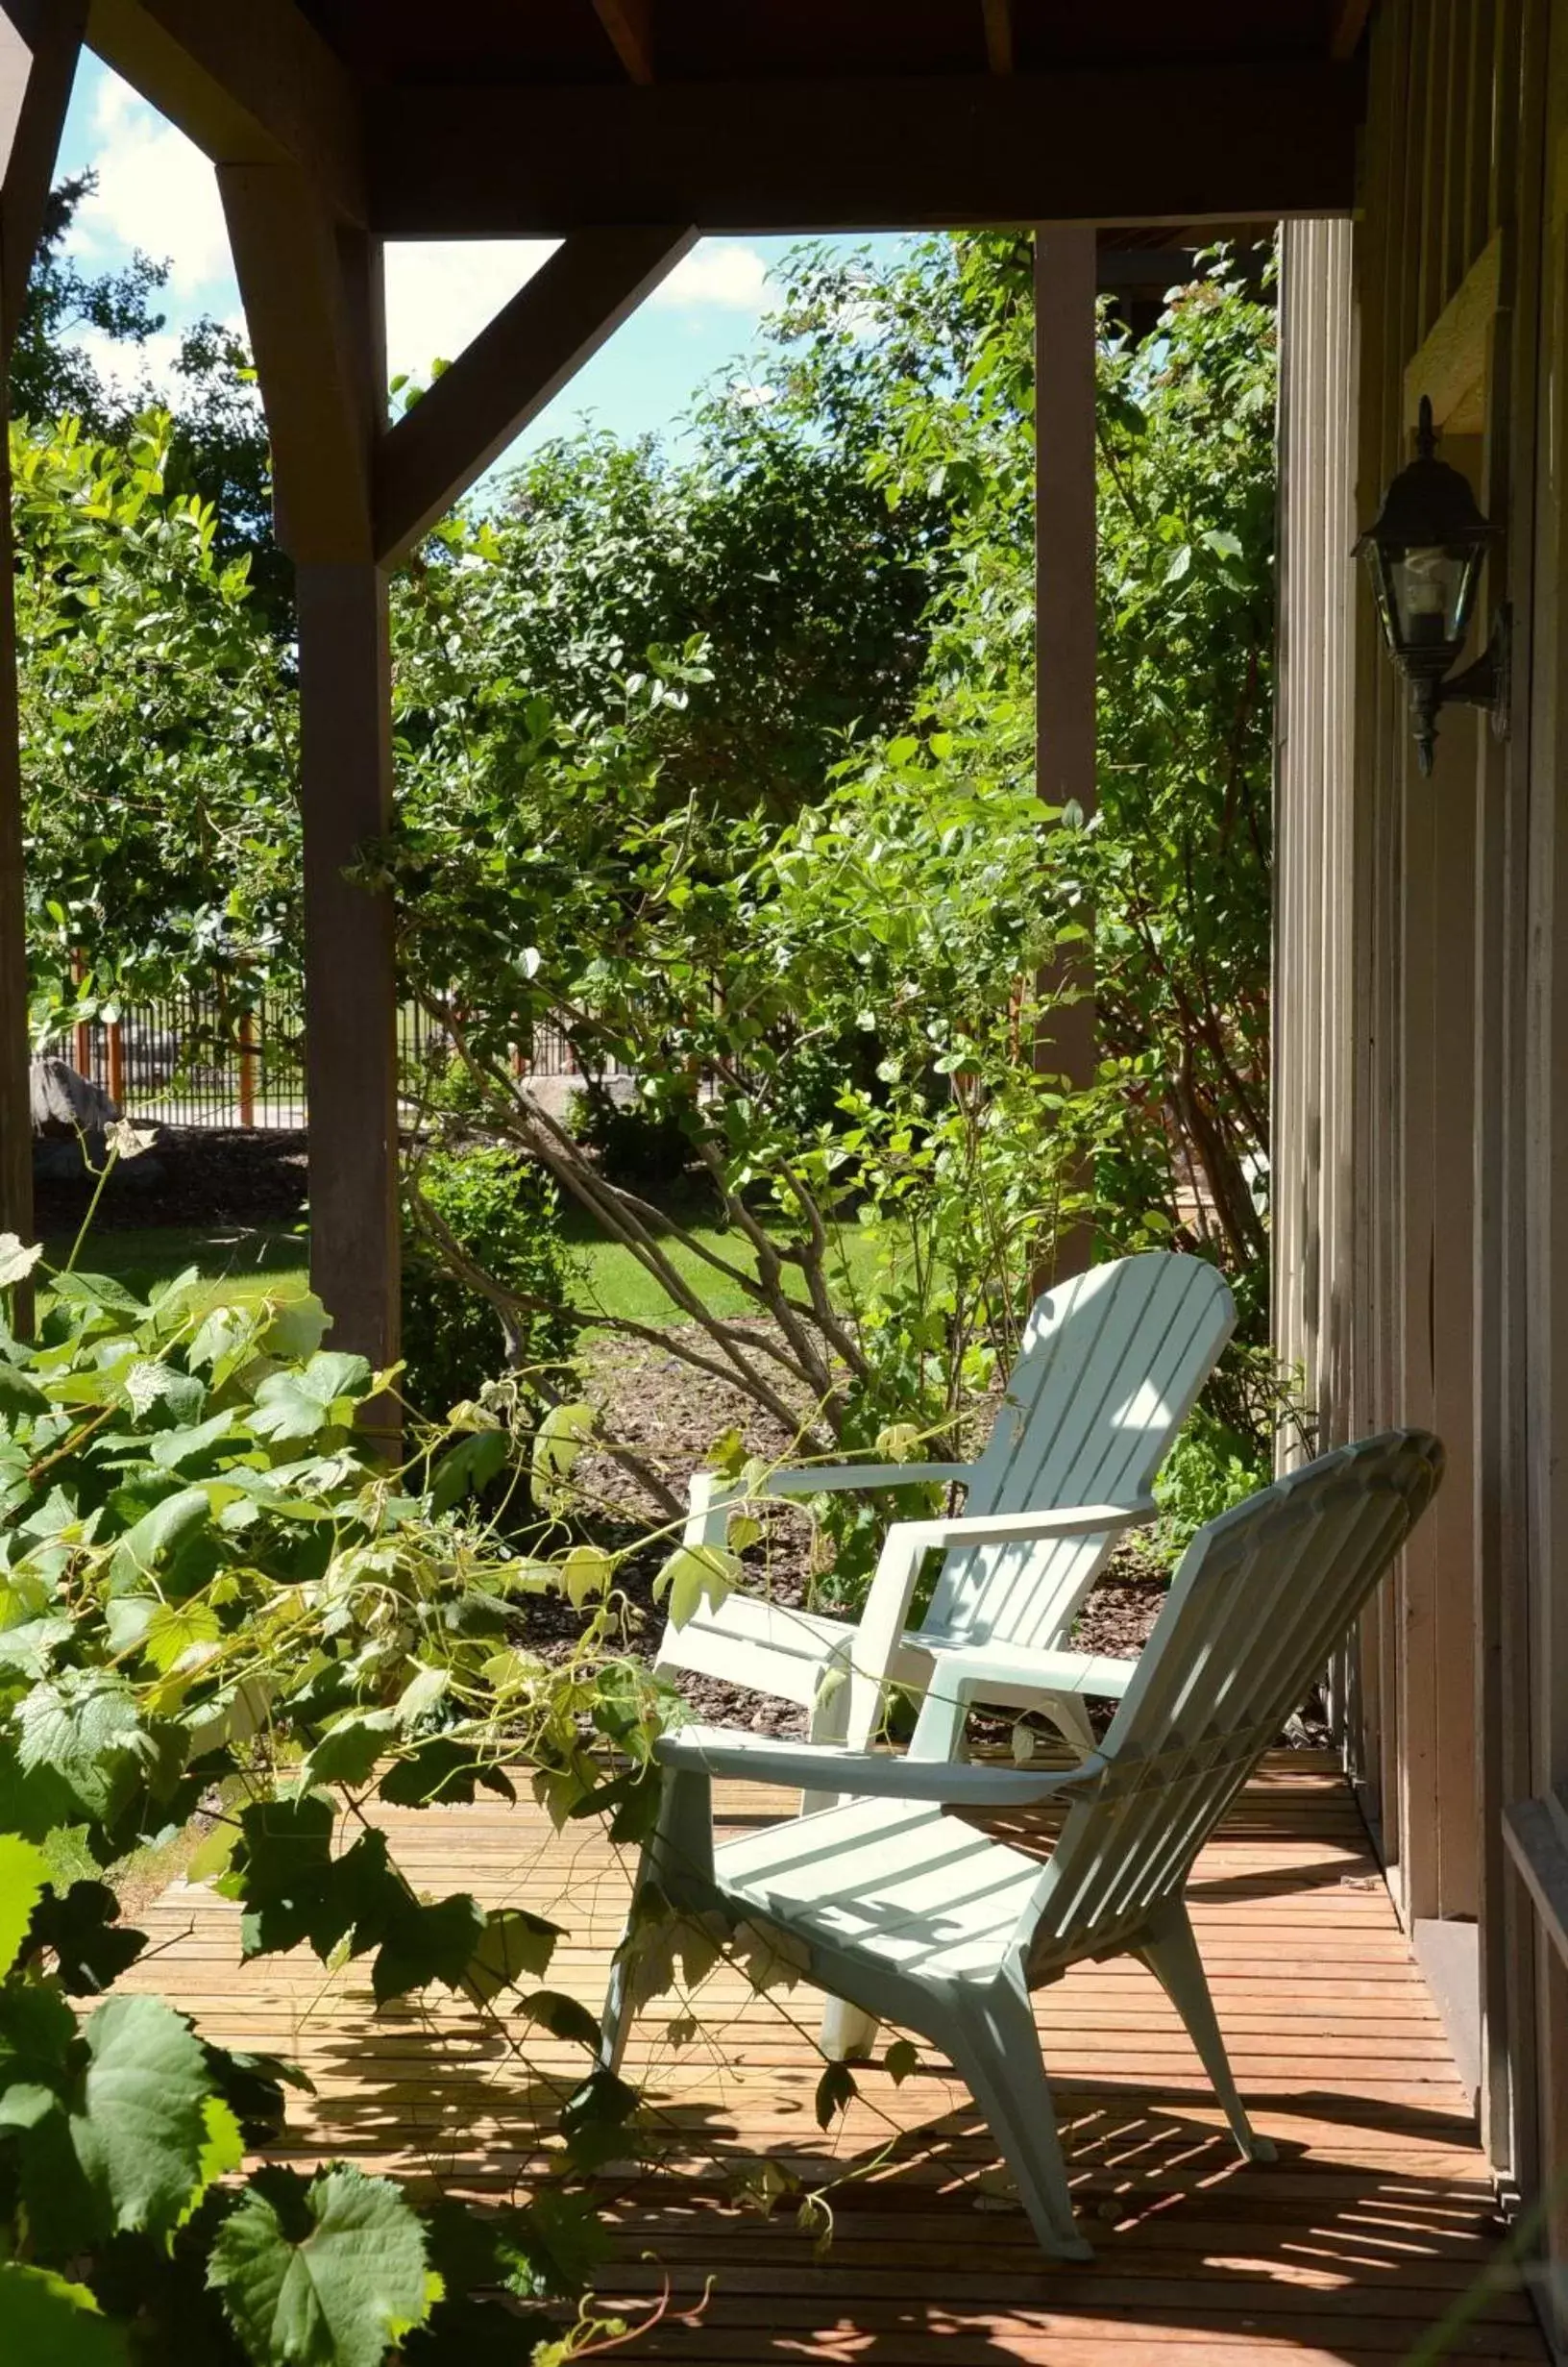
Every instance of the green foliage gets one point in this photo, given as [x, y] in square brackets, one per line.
[332, 2273]
[501, 1215]
[1211, 1467]
[162, 833]
[208, 1582]
[832, 1017]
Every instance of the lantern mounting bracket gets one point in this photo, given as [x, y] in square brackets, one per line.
[1484, 684]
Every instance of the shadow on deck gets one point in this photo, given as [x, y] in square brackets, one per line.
[1374, 2222]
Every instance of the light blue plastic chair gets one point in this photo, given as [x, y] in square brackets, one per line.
[901, 1902]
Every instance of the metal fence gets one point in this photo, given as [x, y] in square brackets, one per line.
[202, 1058]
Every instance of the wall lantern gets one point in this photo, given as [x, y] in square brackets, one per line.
[1424, 555]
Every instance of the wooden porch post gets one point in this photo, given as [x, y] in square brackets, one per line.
[38, 47]
[1065, 640]
[313, 301]
[350, 970]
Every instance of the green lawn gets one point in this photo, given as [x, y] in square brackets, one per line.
[235, 1259]
[612, 1280]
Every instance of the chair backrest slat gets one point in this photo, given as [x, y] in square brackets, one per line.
[1110, 1365]
[1261, 1599]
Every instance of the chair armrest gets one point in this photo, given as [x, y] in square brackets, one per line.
[827, 1478]
[711, 1497]
[1009, 1528]
[717, 1750]
[963, 1671]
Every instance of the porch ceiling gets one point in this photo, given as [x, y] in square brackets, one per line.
[482, 118]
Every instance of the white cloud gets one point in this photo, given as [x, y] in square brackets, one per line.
[721, 273]
[440, 293]
[156, 191]
[130, 371]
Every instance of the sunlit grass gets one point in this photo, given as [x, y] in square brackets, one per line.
[245, 1263]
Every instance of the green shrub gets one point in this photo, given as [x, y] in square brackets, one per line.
[1211, 1467]
[504, 1213]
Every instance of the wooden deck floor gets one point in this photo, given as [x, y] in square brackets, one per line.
[1374, 2222]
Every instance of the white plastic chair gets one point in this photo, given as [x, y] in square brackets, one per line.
[1109, 1367]
[898, 1902]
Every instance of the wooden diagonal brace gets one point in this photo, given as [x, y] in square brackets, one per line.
[504, 378]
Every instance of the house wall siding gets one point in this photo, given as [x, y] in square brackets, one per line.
[1420, 1150]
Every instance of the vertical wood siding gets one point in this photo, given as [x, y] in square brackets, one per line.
[1420, 1150]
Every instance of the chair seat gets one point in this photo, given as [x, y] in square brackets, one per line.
[901, 1881]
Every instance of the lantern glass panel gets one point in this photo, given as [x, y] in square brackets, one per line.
[1433, 587]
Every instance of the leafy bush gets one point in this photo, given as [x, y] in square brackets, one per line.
[1211, 1467]
[211, 1588]
[482, 1209]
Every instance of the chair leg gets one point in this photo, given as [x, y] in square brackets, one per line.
[847, 2032]
[1171, 1953]
[995, 2050]
[1070, 1719]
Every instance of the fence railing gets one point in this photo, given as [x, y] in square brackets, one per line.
[201, 1059]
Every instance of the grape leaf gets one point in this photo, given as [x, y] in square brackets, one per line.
[24, 1872]
[293, 1888]
[154, 1540]
[593, 2118]
[140, 2128]
[18, 1394]
[835, 2090]
[332, 2274]
[80, 1728]
[297, 1404]
[427, 1942]
[45, 2321]
[513, 1942]
[471, 1464]
[93, 1948]
[564, 2017]
[441, 1769]
[348, 1751]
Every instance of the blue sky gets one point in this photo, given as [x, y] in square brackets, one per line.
[156, 192]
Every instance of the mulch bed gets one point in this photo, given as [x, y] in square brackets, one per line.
[199, 1176]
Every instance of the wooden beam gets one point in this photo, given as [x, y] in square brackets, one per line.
[1184, 144]
[1349, 24]
[629, 24]
[999, 15]
[312, 293]
[321, 417]
[40, 41]
[535, 343]
[350, 956]
[1066, 285]
[250, 84]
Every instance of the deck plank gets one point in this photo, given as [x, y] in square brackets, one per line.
[1376, 2219]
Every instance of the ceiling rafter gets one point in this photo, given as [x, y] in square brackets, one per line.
[629, 24]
